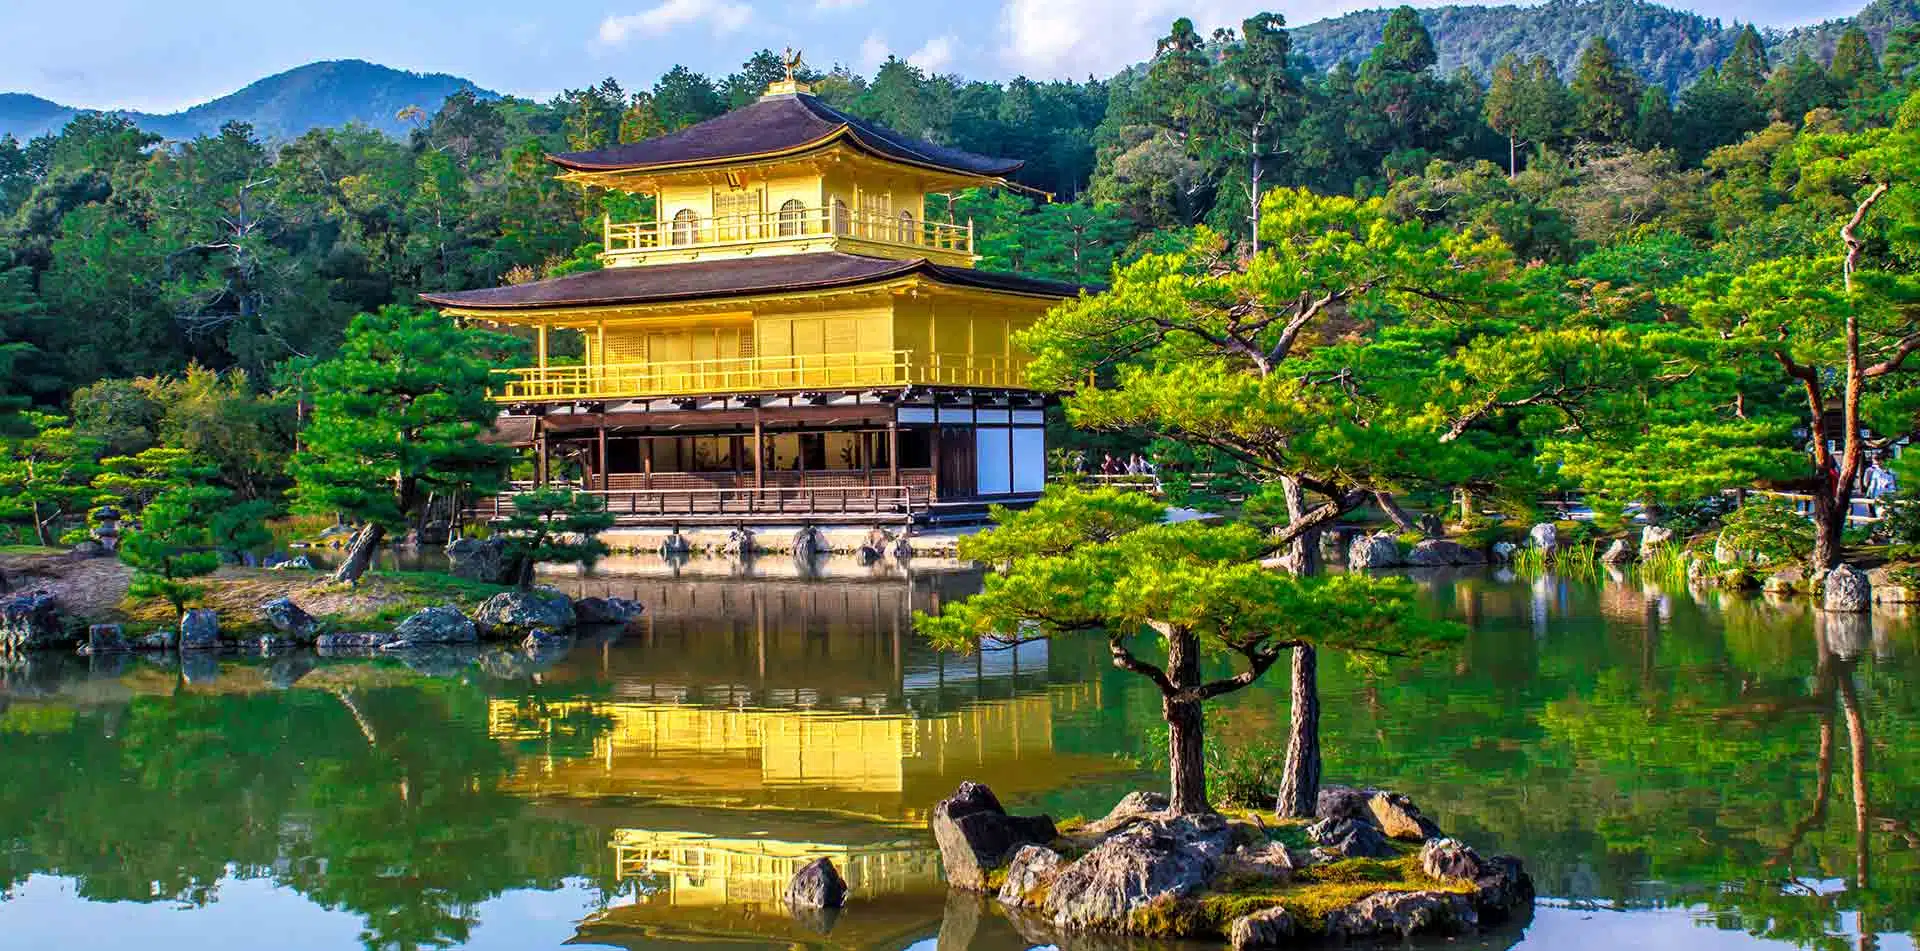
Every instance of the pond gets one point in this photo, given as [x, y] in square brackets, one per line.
[1674, 770]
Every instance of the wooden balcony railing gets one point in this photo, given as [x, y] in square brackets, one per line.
[694, 506]
[690, 232]
[883, 368]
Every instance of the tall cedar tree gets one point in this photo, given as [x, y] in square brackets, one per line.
[397, 416]
[1607, 94]
[1104, 562]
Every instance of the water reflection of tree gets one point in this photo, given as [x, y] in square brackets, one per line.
[407, 829]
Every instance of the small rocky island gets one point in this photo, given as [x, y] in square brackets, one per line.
[1370, 865]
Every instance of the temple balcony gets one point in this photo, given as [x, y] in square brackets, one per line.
[792, 229]
[883, 369]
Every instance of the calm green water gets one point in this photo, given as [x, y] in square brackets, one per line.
[1674, 771]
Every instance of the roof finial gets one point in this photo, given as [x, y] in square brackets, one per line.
[791, 85]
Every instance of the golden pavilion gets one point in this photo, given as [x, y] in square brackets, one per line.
[796, 336]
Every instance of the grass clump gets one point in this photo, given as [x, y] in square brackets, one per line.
[1313, 893]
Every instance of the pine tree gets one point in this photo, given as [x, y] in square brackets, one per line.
[1653, 119]
[1747, 65]
[1606, 93]
[1855, 67]
[554, 526]
[397, 415]
[1405, 45]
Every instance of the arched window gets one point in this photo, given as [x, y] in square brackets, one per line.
[908, 233]
[684, 224]
[793, 218]
[842, 220]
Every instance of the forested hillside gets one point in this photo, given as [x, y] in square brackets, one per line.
[279, 107]
[1880, 20]
[1667, 46]
[142, 279]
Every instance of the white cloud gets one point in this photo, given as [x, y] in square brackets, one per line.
[829, 6]
[1070, 39]
[723, 16]
[873, 52]
[935, 56]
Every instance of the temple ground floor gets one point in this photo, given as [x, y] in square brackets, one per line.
[862, 457]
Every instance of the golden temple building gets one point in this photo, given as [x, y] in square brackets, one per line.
[795, 336]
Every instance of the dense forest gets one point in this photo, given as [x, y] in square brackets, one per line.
[178, 294]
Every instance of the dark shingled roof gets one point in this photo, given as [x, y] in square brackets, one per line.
[775, 124]
[733, 277]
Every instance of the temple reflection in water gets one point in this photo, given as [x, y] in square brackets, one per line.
[750, 726]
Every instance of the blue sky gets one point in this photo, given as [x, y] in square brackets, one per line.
[162, 55]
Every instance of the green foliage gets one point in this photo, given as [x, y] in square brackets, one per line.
[1770, 529]
[179, 524]
[397, 414]
[1245, 777]
[46, 475]
[554, 526]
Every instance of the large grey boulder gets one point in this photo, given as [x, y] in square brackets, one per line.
[607, 612]
[296, 563]
[1848, 591]
[106, 639]
[199, 630]
[1150, 860]
[32, 621]
[1789, 581]
[976, 835]
[512, 615]
[816, 885]
[1502, 890]
[1451, 858]
[1438, 552]
[1271, 861]
[1030, 876]
[1336, 839]
[1653, 536]
[289, 620]
[481, 559]
[1266, 930]
[1132, 807]
[1502, 552]
[1374, 552]
[1396, 816]
[1544, 537]
[1891, 588]
[441, 624]
[1618, 553]
[1343, 802]
[1403, 914]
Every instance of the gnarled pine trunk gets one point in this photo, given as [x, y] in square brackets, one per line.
[1186, 724]
[1300, 777]
[360, 552]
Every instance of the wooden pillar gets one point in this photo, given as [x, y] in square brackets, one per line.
[893, 452]
[646, 460]
[600, 354]
[759, 451]
[934, 451]
[540, 451]
[1010, 465]
[866, 457]
[541, 345]
[600, 457]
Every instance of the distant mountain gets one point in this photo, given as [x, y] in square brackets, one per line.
[27, 116]
[1880, 20]
[282, 106]
[1672, 47]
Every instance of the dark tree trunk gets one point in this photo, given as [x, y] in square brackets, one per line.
[1862, 807]
[1829, 525]
[1186, 725]
[1401, 519]
[1300, 777]
[1186, 756]
[360, 552]
[1303, 553]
